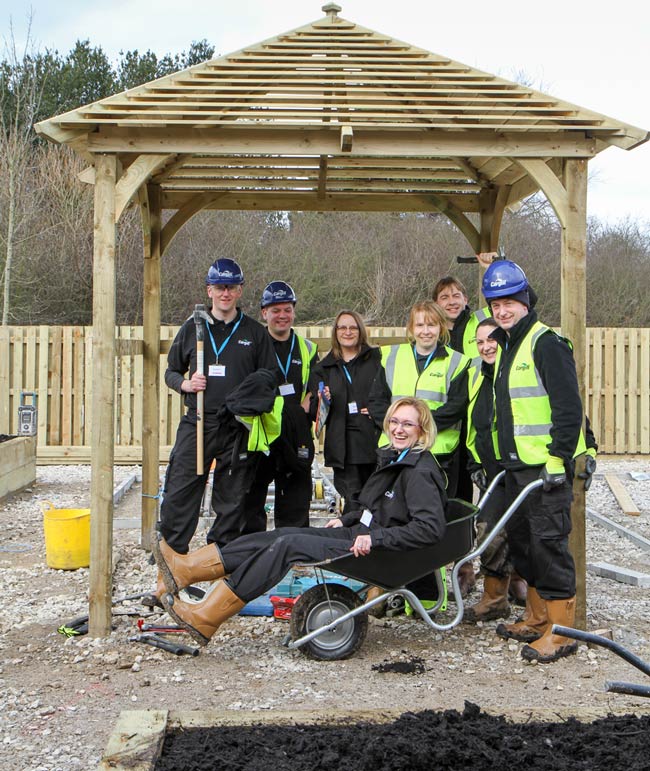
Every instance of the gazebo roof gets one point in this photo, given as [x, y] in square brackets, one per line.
[333, 115]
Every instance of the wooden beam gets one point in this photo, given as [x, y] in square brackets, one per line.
[103, 438]
[378, 142]
[136, 175]
[191, 208]
[87, 176]
[622, 496]
[151, 214]
[551, 186]
[459, 219]
[322, 177]
[574, 326]
[347, 136]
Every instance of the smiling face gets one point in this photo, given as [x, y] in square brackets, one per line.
[403, 427]
[347, 333]
[279, 318]
[452, 300]
[425, 332]
[507, 312]
[487, 348]
[224, 299]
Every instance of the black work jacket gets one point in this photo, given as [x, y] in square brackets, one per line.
[248, 350]
[482, 415]
[347, 434]
[554, 361]
[407, 499]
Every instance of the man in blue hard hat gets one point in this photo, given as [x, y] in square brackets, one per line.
[291, 454]
[235, 347]
[538, 426]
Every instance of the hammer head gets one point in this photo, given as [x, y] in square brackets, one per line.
[201, 315]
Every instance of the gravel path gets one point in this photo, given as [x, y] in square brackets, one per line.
[60, 698]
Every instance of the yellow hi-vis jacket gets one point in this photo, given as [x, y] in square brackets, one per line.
[432, 385]
[265, 428]
[469, 335]
[530, 405]
[306, 348]
[475, 379]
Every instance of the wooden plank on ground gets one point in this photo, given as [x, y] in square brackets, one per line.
[622, 496]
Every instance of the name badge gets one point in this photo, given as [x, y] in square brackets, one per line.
[287, 389]
[217, 370]
[366, 518]
[352, 408]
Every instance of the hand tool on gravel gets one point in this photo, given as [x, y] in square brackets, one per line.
[149, 638]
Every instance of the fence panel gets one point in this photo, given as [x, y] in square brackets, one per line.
[56, 363]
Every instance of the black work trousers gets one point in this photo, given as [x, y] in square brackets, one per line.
[255, 563]
[184, 488]
[538, 535]
[349, 482]
[293, 490]
[495, 560]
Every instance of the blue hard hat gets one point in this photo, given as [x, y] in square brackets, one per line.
[277, 292]
[224, 271]
[502, 279]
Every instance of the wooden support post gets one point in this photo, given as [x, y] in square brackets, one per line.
[574, 326]
[103, 439]
[150, 207]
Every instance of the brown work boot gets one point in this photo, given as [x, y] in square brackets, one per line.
[518, 590]
[379, 610]
[202, 619]
[152, 600]
[181, 570]
[551, 647]
[494, 602]
[532, 624]
[466, 579]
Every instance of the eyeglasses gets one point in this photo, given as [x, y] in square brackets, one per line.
[222, 288]
[407, 425]
[343, 328]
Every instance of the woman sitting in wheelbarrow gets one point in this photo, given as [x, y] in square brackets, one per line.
[403, 508]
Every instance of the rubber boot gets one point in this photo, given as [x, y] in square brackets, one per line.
[152, 600]
[551, 647]
[494, 602]
[202, 619]
[532, 624]
[181, 570]
[518, 590]
[466, 579]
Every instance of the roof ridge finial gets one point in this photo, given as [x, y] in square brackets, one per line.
[332, 9]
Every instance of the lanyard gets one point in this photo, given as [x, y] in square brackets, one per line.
[285, 369]
[427, 362]
[401, 456]
[217, 353]
[347, 374]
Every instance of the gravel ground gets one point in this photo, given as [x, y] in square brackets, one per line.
[60, 698]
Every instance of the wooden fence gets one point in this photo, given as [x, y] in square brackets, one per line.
[56, 364]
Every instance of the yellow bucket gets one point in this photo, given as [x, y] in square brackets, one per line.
[67, 537]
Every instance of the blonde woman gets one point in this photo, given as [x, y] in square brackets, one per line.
[401, 507]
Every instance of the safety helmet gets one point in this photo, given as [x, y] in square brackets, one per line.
[224, 271]
[277, 292]
[502, 279]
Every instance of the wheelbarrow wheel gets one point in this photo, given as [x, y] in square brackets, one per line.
[318, 607]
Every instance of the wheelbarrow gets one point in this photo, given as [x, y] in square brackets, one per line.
[329, 621]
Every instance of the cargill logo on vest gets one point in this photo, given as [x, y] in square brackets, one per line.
[523, 366]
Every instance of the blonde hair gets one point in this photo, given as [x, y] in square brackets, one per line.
[433, 314]
[426, 424]
[363, 334]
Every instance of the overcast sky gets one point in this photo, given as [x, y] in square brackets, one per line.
[568, 48]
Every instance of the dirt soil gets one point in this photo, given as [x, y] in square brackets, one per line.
[60, 698]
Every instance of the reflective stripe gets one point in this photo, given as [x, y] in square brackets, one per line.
[482, 314]
[454, 361]
[523, 392]
[433, 396]
[306, 348]
[541, 430]
[389, 366]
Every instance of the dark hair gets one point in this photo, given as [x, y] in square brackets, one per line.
[448, 281]
[488, 322]
[363, 334]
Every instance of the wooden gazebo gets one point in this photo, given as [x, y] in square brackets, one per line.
[331, 116]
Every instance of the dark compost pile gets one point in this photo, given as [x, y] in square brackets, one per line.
[442, 741]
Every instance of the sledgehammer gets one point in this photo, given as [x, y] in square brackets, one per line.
[200, 315]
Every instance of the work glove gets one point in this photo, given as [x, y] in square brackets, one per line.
[479, 478]
[553, 473]
[590, 467]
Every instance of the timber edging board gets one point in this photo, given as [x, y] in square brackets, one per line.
[17, 464]
[136, 742]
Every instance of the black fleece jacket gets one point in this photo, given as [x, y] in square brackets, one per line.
[407, 499]
[554, 361]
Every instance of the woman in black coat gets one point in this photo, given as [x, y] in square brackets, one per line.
[346, 375]
[401, 507]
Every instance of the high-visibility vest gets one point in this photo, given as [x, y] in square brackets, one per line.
[529, 402]
[475, 380]
[432, 385]
[263, 429]
[306, 348]
[469, 335]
